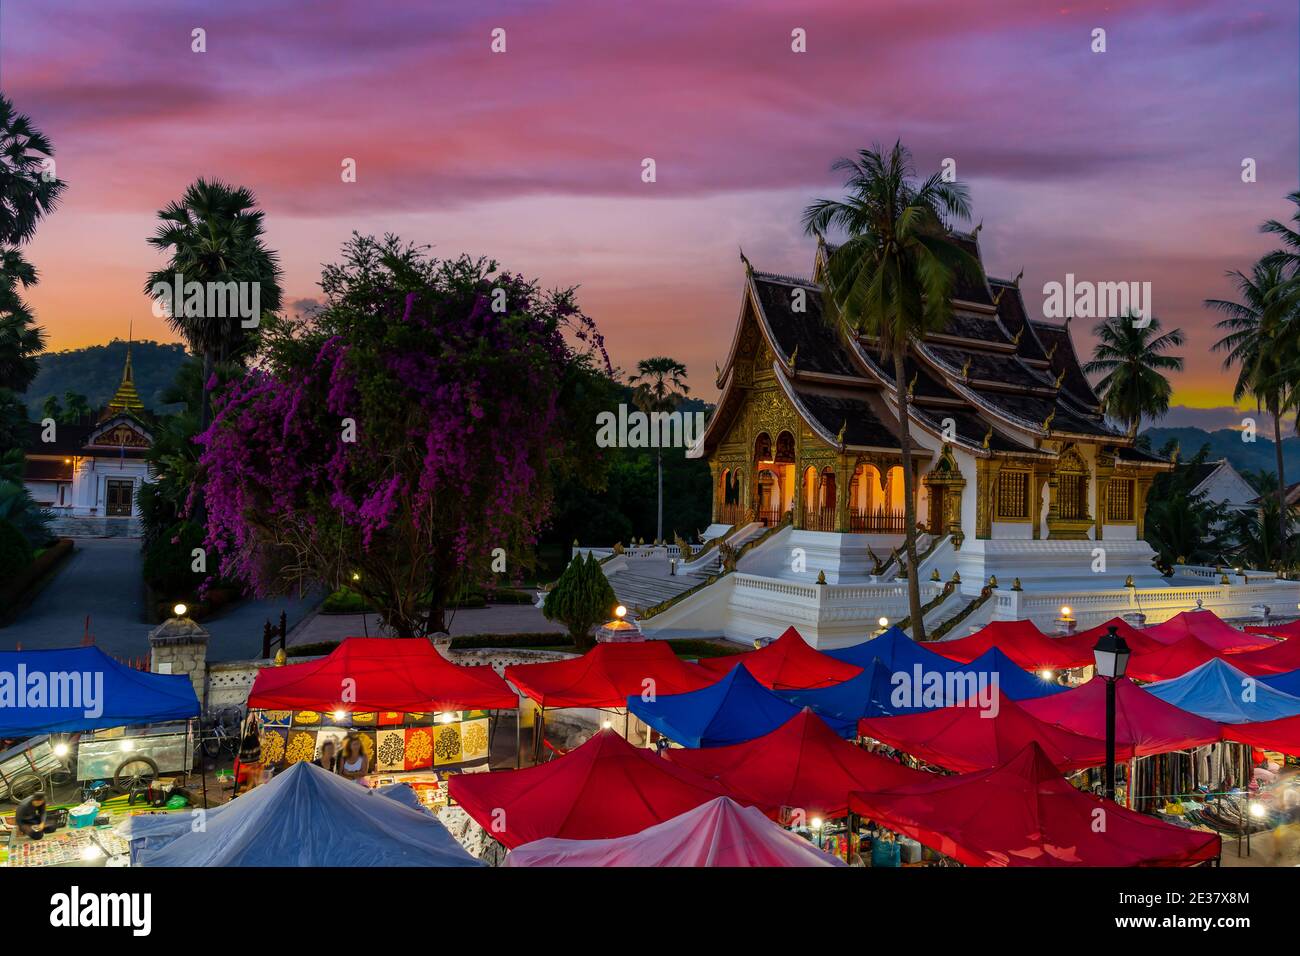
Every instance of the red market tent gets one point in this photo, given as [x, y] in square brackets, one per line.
[379, 673]
[1282, 734]
[718, 833]
[1143, 721]
[788, 663]
[607, 675]
[1024, 814]
[1280, 657]
[1021, 641]
[1174, 660]
[1084, 641]
[966, 739]
[1290, 629]
[1209, 628]
[605, 788]
[803, 764]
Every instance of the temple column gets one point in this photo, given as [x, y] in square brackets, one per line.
[715, 473]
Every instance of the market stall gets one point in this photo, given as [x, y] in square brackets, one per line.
[416, 716]
[965, 739]
[1209, 628]
[1171, 660]
[788, 663]
[1022, 641]
[1278, 658]
[1022, 813]
[305, 816]
[1082, 643]
[87, 718]
[1218, 691]
[605, 788]
[801, 766]
[735, 709]
[603, 679]
[718, 833]
[1161, 739]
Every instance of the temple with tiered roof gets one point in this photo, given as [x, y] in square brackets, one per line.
[1029, 504]
[88, 473]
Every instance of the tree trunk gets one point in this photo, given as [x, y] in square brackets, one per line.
[1281, 490]
[205, 403]
[659, 462]
[909, 504]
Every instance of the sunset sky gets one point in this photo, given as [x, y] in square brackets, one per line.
[1123, 165]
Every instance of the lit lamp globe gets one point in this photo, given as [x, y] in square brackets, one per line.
[180, 610]
[883, 623]
[1065, 624]
[618, 630]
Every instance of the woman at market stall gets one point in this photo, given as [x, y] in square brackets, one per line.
[328, 759]
[353, 764]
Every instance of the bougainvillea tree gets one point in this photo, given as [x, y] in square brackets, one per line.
[402, 440]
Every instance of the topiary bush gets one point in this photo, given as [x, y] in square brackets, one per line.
[581, 599]
[16, 554]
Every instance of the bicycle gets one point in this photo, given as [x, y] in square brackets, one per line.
[219, 732]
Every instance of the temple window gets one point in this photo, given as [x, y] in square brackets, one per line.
[1119, 499]
[1013, 496]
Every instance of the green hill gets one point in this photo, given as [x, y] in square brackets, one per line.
[1227, 443]
[96, 370]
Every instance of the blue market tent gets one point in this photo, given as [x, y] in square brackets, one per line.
[919, 685]
[1287, 683]
[1014, 681]
[305, 816]
[895, 649]
[735, 709]
[1218, 691]
[82, 688]
[867, 695]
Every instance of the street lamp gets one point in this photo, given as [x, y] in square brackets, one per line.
[1111, 656]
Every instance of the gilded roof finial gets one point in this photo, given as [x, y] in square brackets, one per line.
[794, 357]
[1016, 281]
[1047, 422]
[1052, 351]
[965, 369]
[749, 268]
[839, 439]
[1015, 339]
[1060, 378]
[988, 438]
[911, 386]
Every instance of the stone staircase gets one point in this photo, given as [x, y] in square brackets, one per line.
[644, 587]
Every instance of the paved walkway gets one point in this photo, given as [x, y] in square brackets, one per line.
[103, 579]
[497, 619]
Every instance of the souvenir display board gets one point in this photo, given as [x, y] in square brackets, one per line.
[393, 742]
[66, 848]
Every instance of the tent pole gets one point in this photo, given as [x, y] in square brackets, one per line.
[519, 746]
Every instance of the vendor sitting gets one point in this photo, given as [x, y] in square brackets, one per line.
[353, 762]
[30, 816]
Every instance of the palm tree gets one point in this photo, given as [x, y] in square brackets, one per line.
[28, 191]
[893, 278]
[660, 385]
[21, 339]
[215, 234]
[1259, 340]
[1129, 356]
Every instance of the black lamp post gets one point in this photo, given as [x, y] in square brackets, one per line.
[1111, 655]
